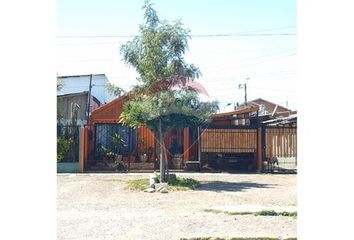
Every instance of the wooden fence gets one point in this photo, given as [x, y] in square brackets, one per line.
[229, 140]
[281, 143]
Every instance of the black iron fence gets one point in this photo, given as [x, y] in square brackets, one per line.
[71, 134]
[105, 133]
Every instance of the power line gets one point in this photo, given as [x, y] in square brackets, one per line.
[243, 33]
[269, 56]
[196, 36]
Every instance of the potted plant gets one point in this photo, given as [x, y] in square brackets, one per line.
[142, 149]
[119, 142]
[118, 163]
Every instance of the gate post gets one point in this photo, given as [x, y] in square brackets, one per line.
[259, 150]
[83, 148]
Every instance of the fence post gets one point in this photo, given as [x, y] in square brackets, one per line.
[259, 150]
[186, 144]
[81, 149]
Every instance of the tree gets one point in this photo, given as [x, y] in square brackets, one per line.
[60, 84]
[115, 90]
[162, 100]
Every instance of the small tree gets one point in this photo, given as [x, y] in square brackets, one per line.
[162, 101]
[115, 90]
[60, 84]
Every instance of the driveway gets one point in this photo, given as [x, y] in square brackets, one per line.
[97, 206]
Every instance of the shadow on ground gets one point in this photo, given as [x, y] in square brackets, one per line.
[219, 186]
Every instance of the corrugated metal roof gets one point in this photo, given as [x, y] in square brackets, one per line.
[241, 110]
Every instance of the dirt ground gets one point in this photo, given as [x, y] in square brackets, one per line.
[97, 206]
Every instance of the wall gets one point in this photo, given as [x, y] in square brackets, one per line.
[64, 107]
[76, 84]
[68, 167]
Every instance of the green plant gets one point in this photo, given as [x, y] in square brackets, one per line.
[274, 213]
[63, 146]
[113, 160]
[118, 141]
[183, 183]
[142, 145]
[258, 213]
[115, 90]
[138, 184]
[178, 184]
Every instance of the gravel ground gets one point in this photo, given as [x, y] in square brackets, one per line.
[97, 206]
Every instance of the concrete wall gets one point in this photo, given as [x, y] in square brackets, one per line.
[68, 167]
[73, 167]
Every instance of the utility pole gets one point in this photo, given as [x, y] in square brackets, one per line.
[89, 100]
[245, 87]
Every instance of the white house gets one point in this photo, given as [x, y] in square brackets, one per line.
[81, 83]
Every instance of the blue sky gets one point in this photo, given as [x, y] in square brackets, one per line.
[268, 61]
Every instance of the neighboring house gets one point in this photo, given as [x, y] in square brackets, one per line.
[74, 106]
[269, 108]
[242, 116]
[290, 121]
[81, 83]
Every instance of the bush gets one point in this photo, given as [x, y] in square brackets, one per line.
[63, 146]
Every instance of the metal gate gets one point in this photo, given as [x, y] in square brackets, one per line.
[280, 148]
[104, 133]
[230, 147]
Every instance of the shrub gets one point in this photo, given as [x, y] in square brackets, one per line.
[63, 146]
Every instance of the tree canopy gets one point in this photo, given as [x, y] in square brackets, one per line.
[115, 90]
[162, 100]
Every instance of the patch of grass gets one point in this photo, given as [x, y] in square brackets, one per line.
[178, 184]
[213, 211]
[138, 184]
[113, 180]
[274, 213]
[257, 238]
[259, 213]
[239, 213]
[182, 184]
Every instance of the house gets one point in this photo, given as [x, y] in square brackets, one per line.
[241, 116]
[141, 148]
[81, 83]
[290, 121]
[72, 108]
[185, 146]
[268, 108]
[231, 141]
[72, 114]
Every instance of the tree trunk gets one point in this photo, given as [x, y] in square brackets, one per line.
[166, 162]
[162, 161]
